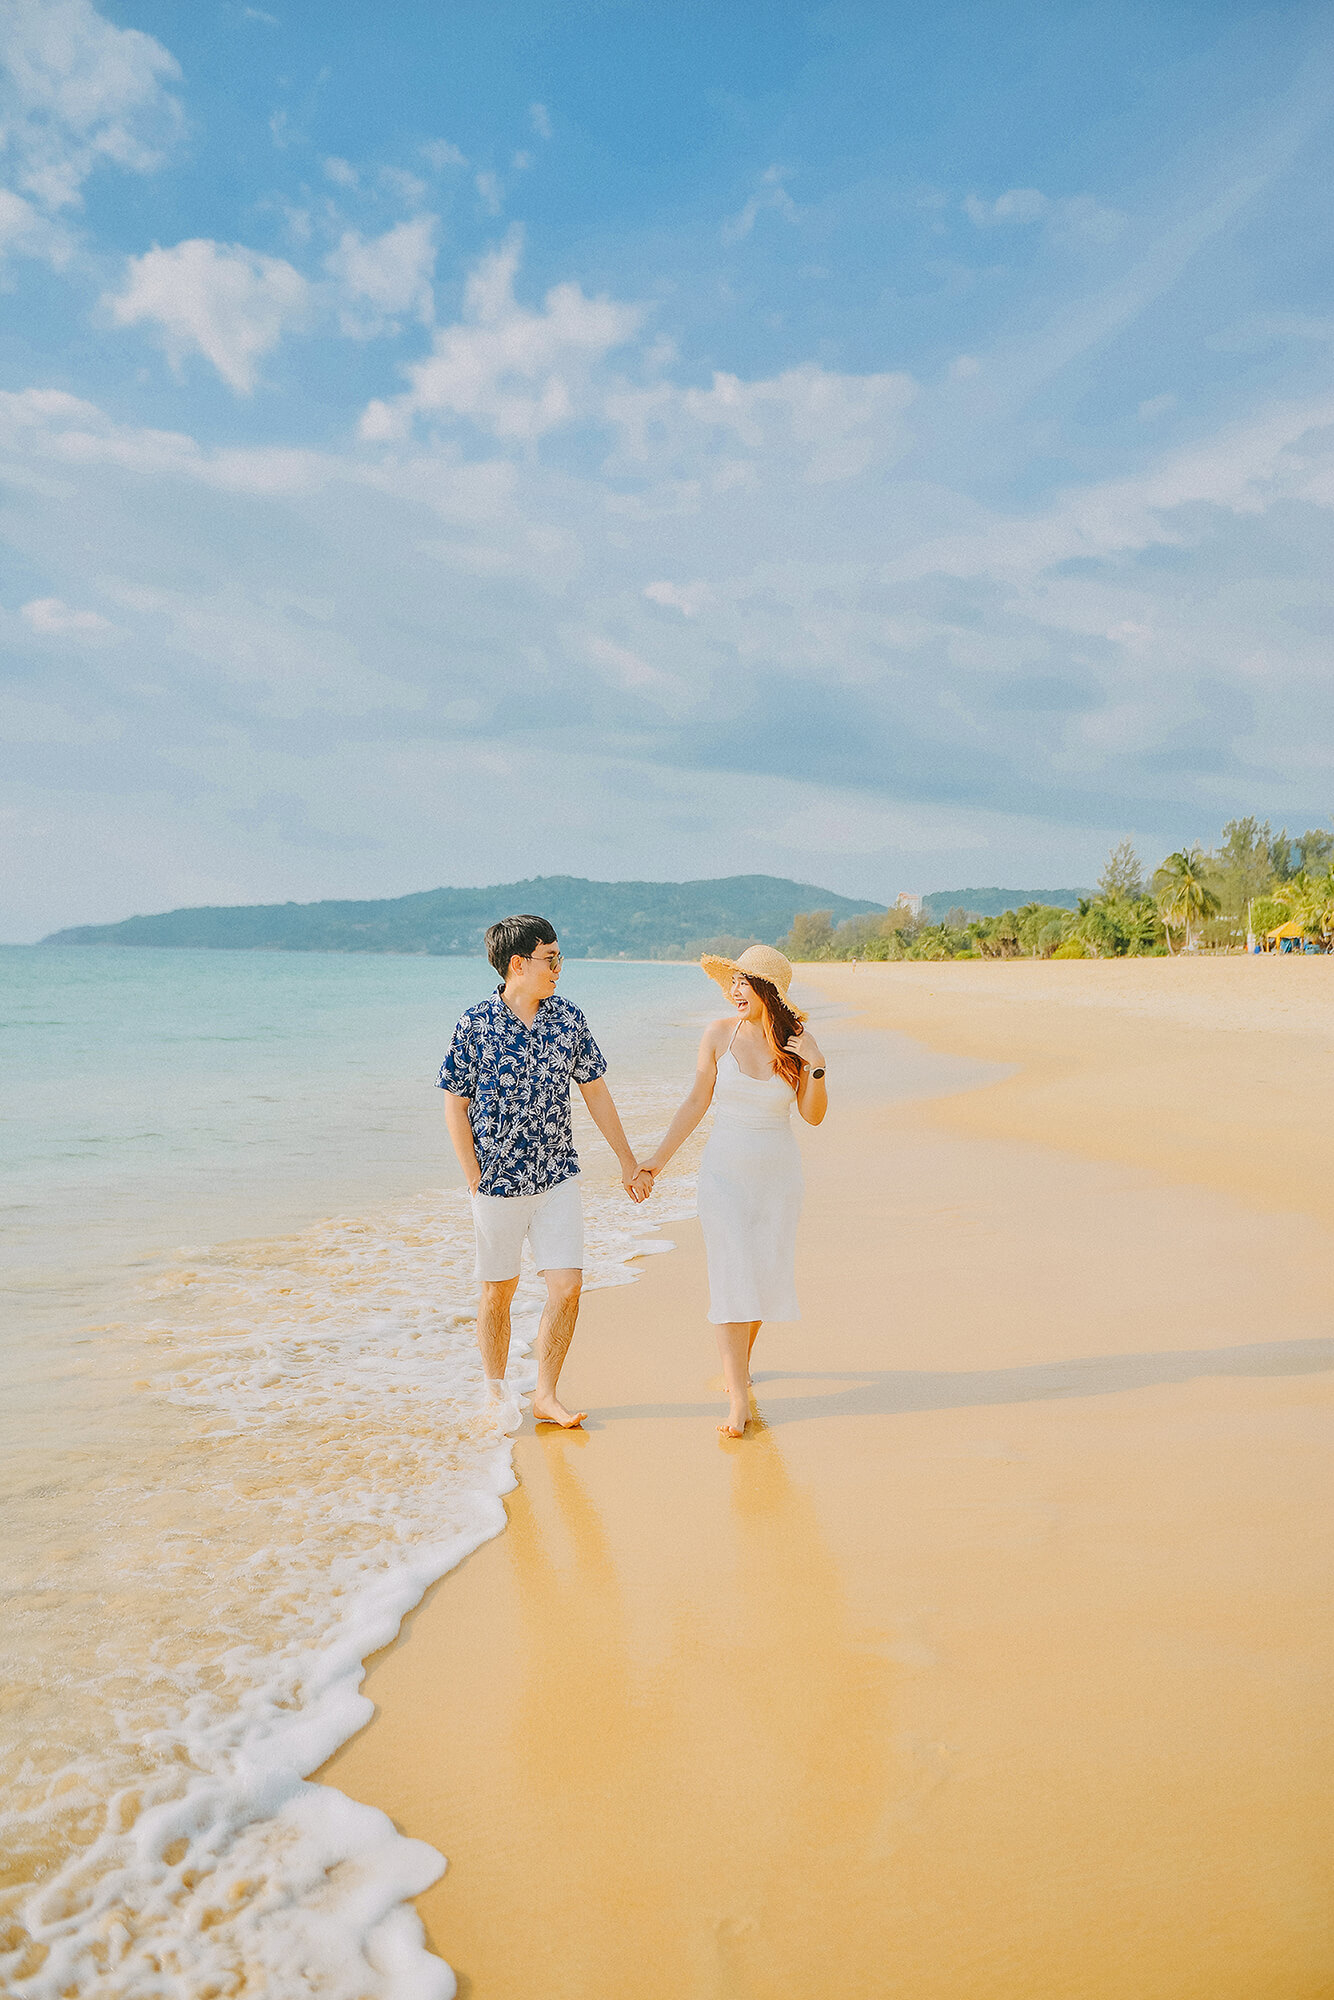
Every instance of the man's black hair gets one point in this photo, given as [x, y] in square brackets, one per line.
[516, 937]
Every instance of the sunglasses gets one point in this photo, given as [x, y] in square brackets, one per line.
[553, 959]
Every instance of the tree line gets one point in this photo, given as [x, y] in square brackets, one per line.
[1196, 899]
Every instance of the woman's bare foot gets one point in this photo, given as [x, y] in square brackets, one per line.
[738, 1416]
[550, 1410]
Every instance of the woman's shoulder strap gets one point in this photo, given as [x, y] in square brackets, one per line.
[714, 1038]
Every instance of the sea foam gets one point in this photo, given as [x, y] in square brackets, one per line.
[190, 1637]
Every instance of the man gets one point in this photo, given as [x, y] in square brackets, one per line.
[507, 1077]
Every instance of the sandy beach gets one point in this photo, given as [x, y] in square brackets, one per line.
[996, 1659]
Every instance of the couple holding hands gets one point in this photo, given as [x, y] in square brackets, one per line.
[507, 1080]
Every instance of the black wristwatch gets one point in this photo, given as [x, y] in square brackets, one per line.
[818, 1072]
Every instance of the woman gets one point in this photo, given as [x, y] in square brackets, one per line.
[756, 1064]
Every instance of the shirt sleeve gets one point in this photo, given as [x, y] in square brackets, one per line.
[589, 1061]
[458, 1071]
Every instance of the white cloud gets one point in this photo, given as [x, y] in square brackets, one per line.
[515, 372]
[384, 423]
[26, 232]
[230, 303]
[51, 426]
[818, 424]
[540, 120]
[492, 194]
[687, 598]
[416, 610]
[851, 823]
[408, 188]
[385, 275]
[1154, 407]
[622, 668]
[1073, 219]
[442, 153]
[50, 616]
[1283, 454]
[341, 172]
[1018, 205]
[770, 194]
[79, 92]
[299, 224]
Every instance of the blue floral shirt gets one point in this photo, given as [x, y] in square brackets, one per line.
[517, 1081]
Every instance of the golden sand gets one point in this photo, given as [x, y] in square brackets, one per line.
[996, 1664]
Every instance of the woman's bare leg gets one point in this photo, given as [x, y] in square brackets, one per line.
[755, 1326]
[734, 1340]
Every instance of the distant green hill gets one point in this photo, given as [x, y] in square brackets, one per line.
[992, 902]
[593, 919]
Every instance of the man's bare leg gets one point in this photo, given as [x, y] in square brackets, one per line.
[553, 1344]
[493, 1334]
[734, 1339]
[750, 1349]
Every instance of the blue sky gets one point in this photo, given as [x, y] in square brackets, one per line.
[888, 445]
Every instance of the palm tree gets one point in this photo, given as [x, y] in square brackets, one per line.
[1310, 898]
[1184, 897]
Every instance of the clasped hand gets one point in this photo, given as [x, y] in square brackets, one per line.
[639, 1184]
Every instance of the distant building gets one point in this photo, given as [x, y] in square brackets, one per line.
[905, 900]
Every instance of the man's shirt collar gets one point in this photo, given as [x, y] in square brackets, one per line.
[501, 1007]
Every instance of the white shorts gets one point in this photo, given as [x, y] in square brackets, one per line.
[552, 1221]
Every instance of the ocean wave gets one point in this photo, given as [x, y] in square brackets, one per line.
[188, 1640]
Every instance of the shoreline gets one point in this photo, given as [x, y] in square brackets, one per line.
[241, 1453]
[999, 1654]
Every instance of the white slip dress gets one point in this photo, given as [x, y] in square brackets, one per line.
[750, 1190]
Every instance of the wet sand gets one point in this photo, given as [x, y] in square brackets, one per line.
[996, 1661]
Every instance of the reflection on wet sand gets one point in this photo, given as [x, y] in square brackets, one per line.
[754, 1703]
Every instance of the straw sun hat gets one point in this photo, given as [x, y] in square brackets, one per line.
[759, 960]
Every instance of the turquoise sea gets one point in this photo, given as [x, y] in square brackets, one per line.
[159, 1096]
[241, 1435]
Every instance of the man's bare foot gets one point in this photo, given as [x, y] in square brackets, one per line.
[552, 1411]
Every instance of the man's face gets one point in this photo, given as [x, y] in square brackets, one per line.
[537, 975]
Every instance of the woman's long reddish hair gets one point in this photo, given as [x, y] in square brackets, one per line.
[780, 1023]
